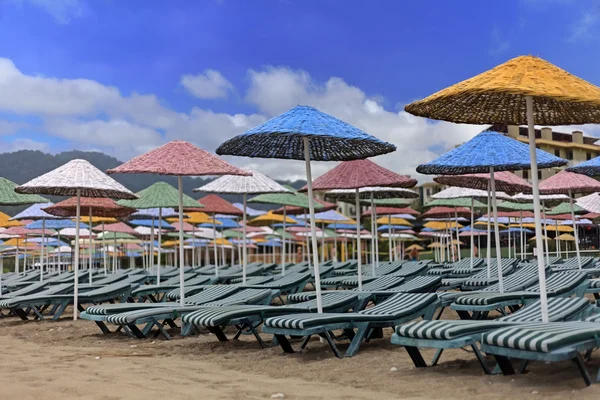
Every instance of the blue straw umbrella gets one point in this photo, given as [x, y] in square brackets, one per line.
[489, 152]
[305, 133]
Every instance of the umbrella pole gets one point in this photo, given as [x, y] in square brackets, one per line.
[59, 257]
[76, 256]
[151, 263]
[556, 241]
[313, 227]
[496, 230]
[17, 258]
[244, 248]
[574, 228]
[508, 237]
[215, 246]
[545, 232]
[373, 230]
[478, 241]
[90, 245]
[489, 234]
[390, 246]
[159, 246]
[114, 266]
[283, 249]
[457, 237]
[375, 234]
[181, 284]
[1, 272]
[358, 241]
[472, 238]
[322, 243]
[104, 250]
[521, 234]
[42, 250]
[536, 209]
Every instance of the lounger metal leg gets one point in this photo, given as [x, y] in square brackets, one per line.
[171, 323]
[103, 327]
[136, 331]
[436, 357]
[583, 369]
[305, 341]
[440, 313]
[37, 313]
[361, 333]
[334, 347]
[257, 336]
[162, 330]
[416, 356]
[218, 332]
[61, 308]
[588, 355]
[20, 313]
[481, 359]
[505, 365]
[463, 314]
[284, 343]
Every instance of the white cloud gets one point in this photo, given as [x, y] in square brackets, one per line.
[499, 43]
[10, 127]
[209, 84]
[585, 26]
[90, 115]
[25, 144]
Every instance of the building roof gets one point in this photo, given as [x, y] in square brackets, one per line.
[556, 136]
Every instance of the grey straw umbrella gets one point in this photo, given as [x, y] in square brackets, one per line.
[76, 178]
[305, 133]
[178, 158]
[525, 90]
[256, 183]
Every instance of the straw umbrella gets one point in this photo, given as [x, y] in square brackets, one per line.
[8, 197]
[214, 205]
[359, 174]
[98, 207]
[178, 158]
[305, 133]
[568, 183]
[524, 90]
[35, 213]
[158, 197]
[489, 152]
[76, 178]
[370, 194]
[256, 183]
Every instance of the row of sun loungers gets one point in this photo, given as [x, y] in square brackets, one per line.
[406, 296]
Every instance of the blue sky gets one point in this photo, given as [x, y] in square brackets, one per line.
[126, 76]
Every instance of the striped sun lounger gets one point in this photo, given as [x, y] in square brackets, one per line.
[451, 334]
[368, 323]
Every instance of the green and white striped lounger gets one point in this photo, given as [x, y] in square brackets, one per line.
[381, 284]
[451, 334]
[462, 267]
[248, 318]
[395, 310]
[549, 342]
[161, 316]
[561, 284]
[289, 284]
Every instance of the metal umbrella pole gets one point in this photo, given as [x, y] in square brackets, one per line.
[358, 251]
[497, 231]
[489, 235]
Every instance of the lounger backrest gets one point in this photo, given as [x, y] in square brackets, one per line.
[418, 284]
[559, 309]
[212, 293]
[401, 303]
[561, 282]
[330, 301]
[244, 296]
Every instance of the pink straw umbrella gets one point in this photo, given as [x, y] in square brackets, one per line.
[355, 175]
[178, 158]
[568, 183]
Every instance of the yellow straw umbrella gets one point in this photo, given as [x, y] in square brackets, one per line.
[441, 225]
[526, 90]
[415, 246]
[270, 218]
[393, 221]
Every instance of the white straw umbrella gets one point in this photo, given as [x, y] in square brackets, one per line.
[256, 183]
[76, 178]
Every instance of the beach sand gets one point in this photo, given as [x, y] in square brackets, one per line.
[67, 360]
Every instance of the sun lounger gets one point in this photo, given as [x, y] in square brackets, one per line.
[248, 318]
[458, 268]
[560, 284]
[549, 342]
[397, 309]
[451, 334]
[158, 317]
[289, 284]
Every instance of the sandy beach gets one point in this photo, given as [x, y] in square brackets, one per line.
[64, 360]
